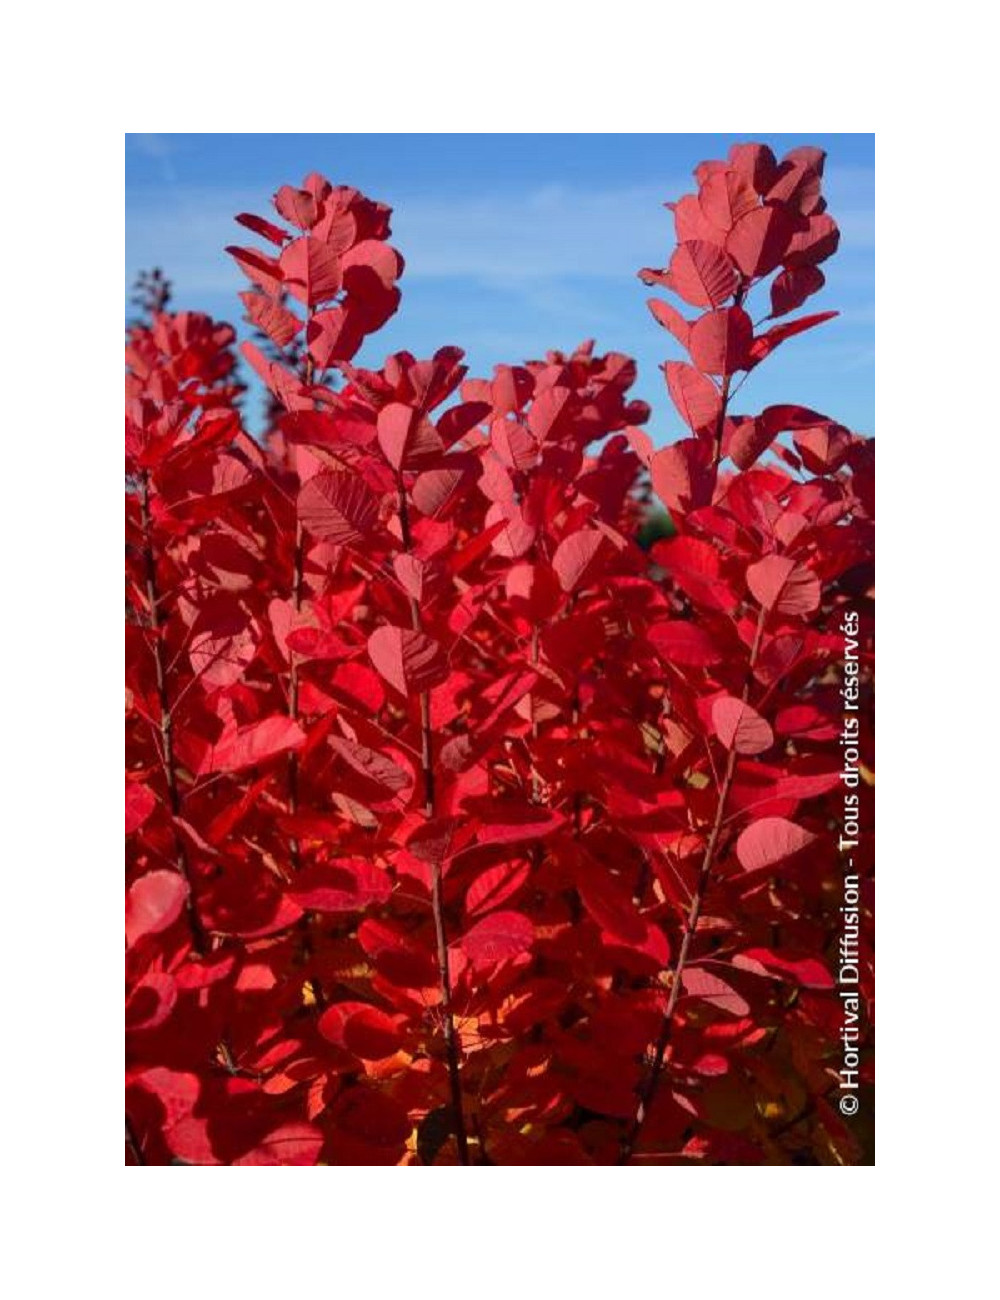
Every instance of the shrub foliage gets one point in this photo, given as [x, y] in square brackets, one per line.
[460, 828]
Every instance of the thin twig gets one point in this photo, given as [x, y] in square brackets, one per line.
[437, 899]
[661, 1052]
[660, 1055]
[298, 568]
[198, 937]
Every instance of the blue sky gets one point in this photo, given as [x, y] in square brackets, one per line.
[514, 244]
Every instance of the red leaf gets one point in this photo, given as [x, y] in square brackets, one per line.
[797, 184]
[176, 1093]
[808, 721]
[361, 1029]
[431, 841]
[815, 244]
[721, 340]
[575, 556]
[411, 573]
[685, 643]
[725, 196]
[779, 655]
[698, 983]
[360, 685]
[153, 903]
[740, 727]
[139, 803]
[756, 164]
[690, 222]
[457, 421]
[370, 764]
[266, 228]
[252, 745]
[232, 814]
[337, 229]
[807, 971]
[701, 274]
[516, 535]
[769, 841]
[280, 325]
[150, 1002]
[496, 938]
[334, 335]
[491, 536]
[405, 436]
[683, 476]
[807, 155]
[222, 645]
[409, 661]
[338, 506]
[397, 955]
[779, 583]
[371, 1122]
[780, 418]
[258, 267]
[670, 318]
[696, 567]
[609, 903]
[765, 344]
[375, 256]
[284, 383]
[310, 271]
[298, 207]
[504, 821]
[695, 396]
[824, 447]
[533, 590]
[793, 286]
[759, 240]
[746, 439]
[346, 885]
[495, 886]
[315, 643]
[547, 416]
[296, 1143]
[514, 444]
[435, 489]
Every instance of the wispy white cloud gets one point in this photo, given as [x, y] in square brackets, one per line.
[549, 233]
[509, 239]
[157, 147]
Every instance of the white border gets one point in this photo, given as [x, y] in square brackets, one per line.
[519, 68]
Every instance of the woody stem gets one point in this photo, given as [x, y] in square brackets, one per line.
[437, 899]
[298, 565]
[198, 936]
[661, 1055]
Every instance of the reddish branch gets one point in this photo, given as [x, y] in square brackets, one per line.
[661, 1054]
[293, 690]
[298, 567]
[198, 937]
[661, 1057]
[437, 901]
